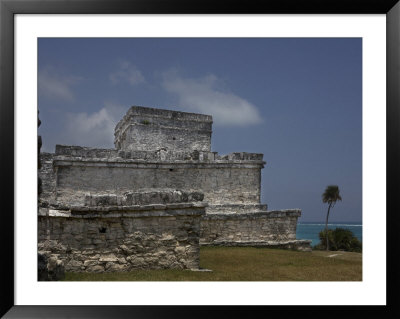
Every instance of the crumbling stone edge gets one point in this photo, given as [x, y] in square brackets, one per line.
[298, 245]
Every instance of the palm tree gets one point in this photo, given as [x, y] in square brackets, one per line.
[330, 196]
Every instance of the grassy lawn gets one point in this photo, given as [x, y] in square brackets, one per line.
[250, 264]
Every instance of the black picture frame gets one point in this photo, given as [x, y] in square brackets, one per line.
[8, 8]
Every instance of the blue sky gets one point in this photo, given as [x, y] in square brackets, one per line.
[296, 100]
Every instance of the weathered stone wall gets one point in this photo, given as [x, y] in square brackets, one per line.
[109, 155]
[231, 179]
[95, 241]
[236, 208]
[48, 177]
[144, 128]
[231, 229]
[153, 137]
[50, 268]
[224, 185]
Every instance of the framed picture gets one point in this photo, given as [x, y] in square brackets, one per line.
[22, 24]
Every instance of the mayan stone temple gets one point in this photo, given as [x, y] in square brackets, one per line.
[154, 199]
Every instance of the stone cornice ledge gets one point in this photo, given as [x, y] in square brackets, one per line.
[102, 162]
[273, 213]
[138, 207]
[259, 243]
[154, 210]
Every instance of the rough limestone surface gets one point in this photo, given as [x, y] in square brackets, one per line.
[48, 178]
[232, 179]
[50, 268]
[275, 229]
[261, 226]
[144, 128]
[150, 202]
[104, 238]
[121, 244]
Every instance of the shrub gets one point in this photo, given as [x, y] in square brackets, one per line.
[339, 239]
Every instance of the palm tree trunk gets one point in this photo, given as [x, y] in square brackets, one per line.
[326, 227]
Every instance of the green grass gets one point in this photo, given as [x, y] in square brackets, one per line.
[249, 264]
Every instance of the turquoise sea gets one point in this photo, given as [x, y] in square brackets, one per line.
[310, 230]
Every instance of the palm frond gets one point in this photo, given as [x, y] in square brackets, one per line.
[331, 194]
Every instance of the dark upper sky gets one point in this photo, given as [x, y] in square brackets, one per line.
[296, 100]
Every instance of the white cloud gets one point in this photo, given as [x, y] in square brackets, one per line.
[205, 95]
[95, 129]
[56, 86]
[127, 72]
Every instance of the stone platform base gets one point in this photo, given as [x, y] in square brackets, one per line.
[104, 238]
[299, 245]
[278, 226]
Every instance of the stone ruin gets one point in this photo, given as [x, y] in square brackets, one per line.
[153, 200]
